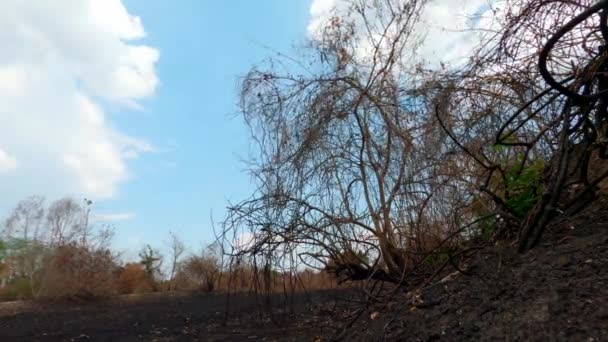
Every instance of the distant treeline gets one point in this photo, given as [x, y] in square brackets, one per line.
[55, 252]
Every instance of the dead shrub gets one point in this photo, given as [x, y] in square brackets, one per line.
[75, 272]
[132, 278]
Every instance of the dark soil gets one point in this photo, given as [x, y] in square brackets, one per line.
[556, 292]
[164, 317]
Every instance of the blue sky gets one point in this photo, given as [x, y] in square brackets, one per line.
[205, 46]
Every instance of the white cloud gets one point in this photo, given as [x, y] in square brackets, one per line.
[244, 241]
[449, 27]
[61, 63]
[446, 25]
[7, 162]
[321, 11]
[116, 217]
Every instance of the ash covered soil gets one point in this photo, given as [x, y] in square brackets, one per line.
[556, 292]
[163, 317]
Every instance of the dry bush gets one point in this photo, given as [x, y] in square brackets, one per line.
[239, 278]
[75, 272]
[200, 272]
[204, 271]
[248, 276]
[183, 282]
[538, 91]
[45, 244]
[132, 278]
[310, 280]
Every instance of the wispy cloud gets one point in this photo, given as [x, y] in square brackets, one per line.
[451, 28]
[115, 217]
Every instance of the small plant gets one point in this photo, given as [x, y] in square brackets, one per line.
[524, 187]
[521, 190]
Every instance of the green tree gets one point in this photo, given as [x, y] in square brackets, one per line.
[152, 260]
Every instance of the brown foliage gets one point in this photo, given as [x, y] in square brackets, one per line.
[205, 270]
[132, 278]
[76, 272]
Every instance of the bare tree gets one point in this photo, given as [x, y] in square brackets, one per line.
[58, 242]
[24, 230]
[351, 166]
[67, 221]
[204, 268]
[26, 220]
[177, 249]
[369, 165]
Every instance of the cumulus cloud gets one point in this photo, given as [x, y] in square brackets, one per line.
[61, 63]
[451, 28]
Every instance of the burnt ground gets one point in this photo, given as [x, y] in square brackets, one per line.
[163, 317]
[556, 292]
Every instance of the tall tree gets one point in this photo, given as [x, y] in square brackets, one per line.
[177, 249]
[26, 220]
[152, 261]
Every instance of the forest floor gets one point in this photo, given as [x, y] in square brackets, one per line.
[558, 291]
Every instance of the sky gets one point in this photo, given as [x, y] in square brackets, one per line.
[134, 103]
